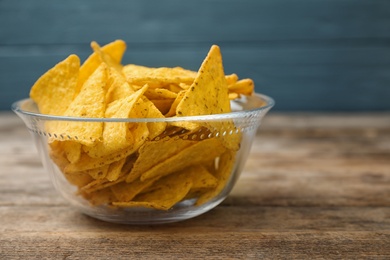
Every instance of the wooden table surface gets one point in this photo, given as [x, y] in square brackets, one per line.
[314, 186]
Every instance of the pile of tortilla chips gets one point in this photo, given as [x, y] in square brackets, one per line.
[154, 164]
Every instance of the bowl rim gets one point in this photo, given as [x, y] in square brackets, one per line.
[270, 102]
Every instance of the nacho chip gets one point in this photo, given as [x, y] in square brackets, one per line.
[115, 50]
[116, 135]
[150, 111]
[90, 102]
[55, 90]
[71, 149]
[152, 153]
[244, 87]
[87, 163]
[209, 95]
[172, 110]
[192, 155]
[125, 192]
[168, 191]
[106, 58]
[118, 87]
[223, 174]
[115, 170]
[99, 197]
[163, 105]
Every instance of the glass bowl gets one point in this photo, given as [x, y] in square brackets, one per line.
[184, 170]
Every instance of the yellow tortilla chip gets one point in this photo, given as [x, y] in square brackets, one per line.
[152, 153]
[164, 105]
[209, 95]
[157, 77]
[172, 110]
[223, 174]
[116, 135]
[79, 179]
[115, 50]
[115, 170]
[90, 102]
[106, 58]
[192, 155]
[71, 149]
[150, 111]
[55, 90]
[99, 197]
[244, 87]
[86, 162]
[160, 93]
[98, 173]
[99, 184]
[168, 191]
[118, 87]
[125, 192]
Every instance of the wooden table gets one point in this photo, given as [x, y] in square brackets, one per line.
[314, 186]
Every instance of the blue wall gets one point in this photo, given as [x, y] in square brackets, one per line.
[310, 55]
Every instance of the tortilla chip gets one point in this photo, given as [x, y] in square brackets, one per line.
[152, 153]
[192, 155]
[168, 191]
[90, 102]
[55, 90]
[116, 135]
[223, 174]
[115, 50]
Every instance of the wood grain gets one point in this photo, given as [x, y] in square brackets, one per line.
[314, 186]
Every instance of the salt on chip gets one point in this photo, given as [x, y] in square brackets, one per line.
[55, 90]
[192, 155]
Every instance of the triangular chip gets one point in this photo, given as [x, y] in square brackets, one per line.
[152, 153]
[168, 191]
[55, 90]
[115, 50]
[192, 155]
[90, 102]
[209, 95]
[223, 174]
[116, 135]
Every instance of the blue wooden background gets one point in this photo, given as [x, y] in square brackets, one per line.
[310, 55]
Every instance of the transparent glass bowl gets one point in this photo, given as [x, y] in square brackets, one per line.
[98, 198]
